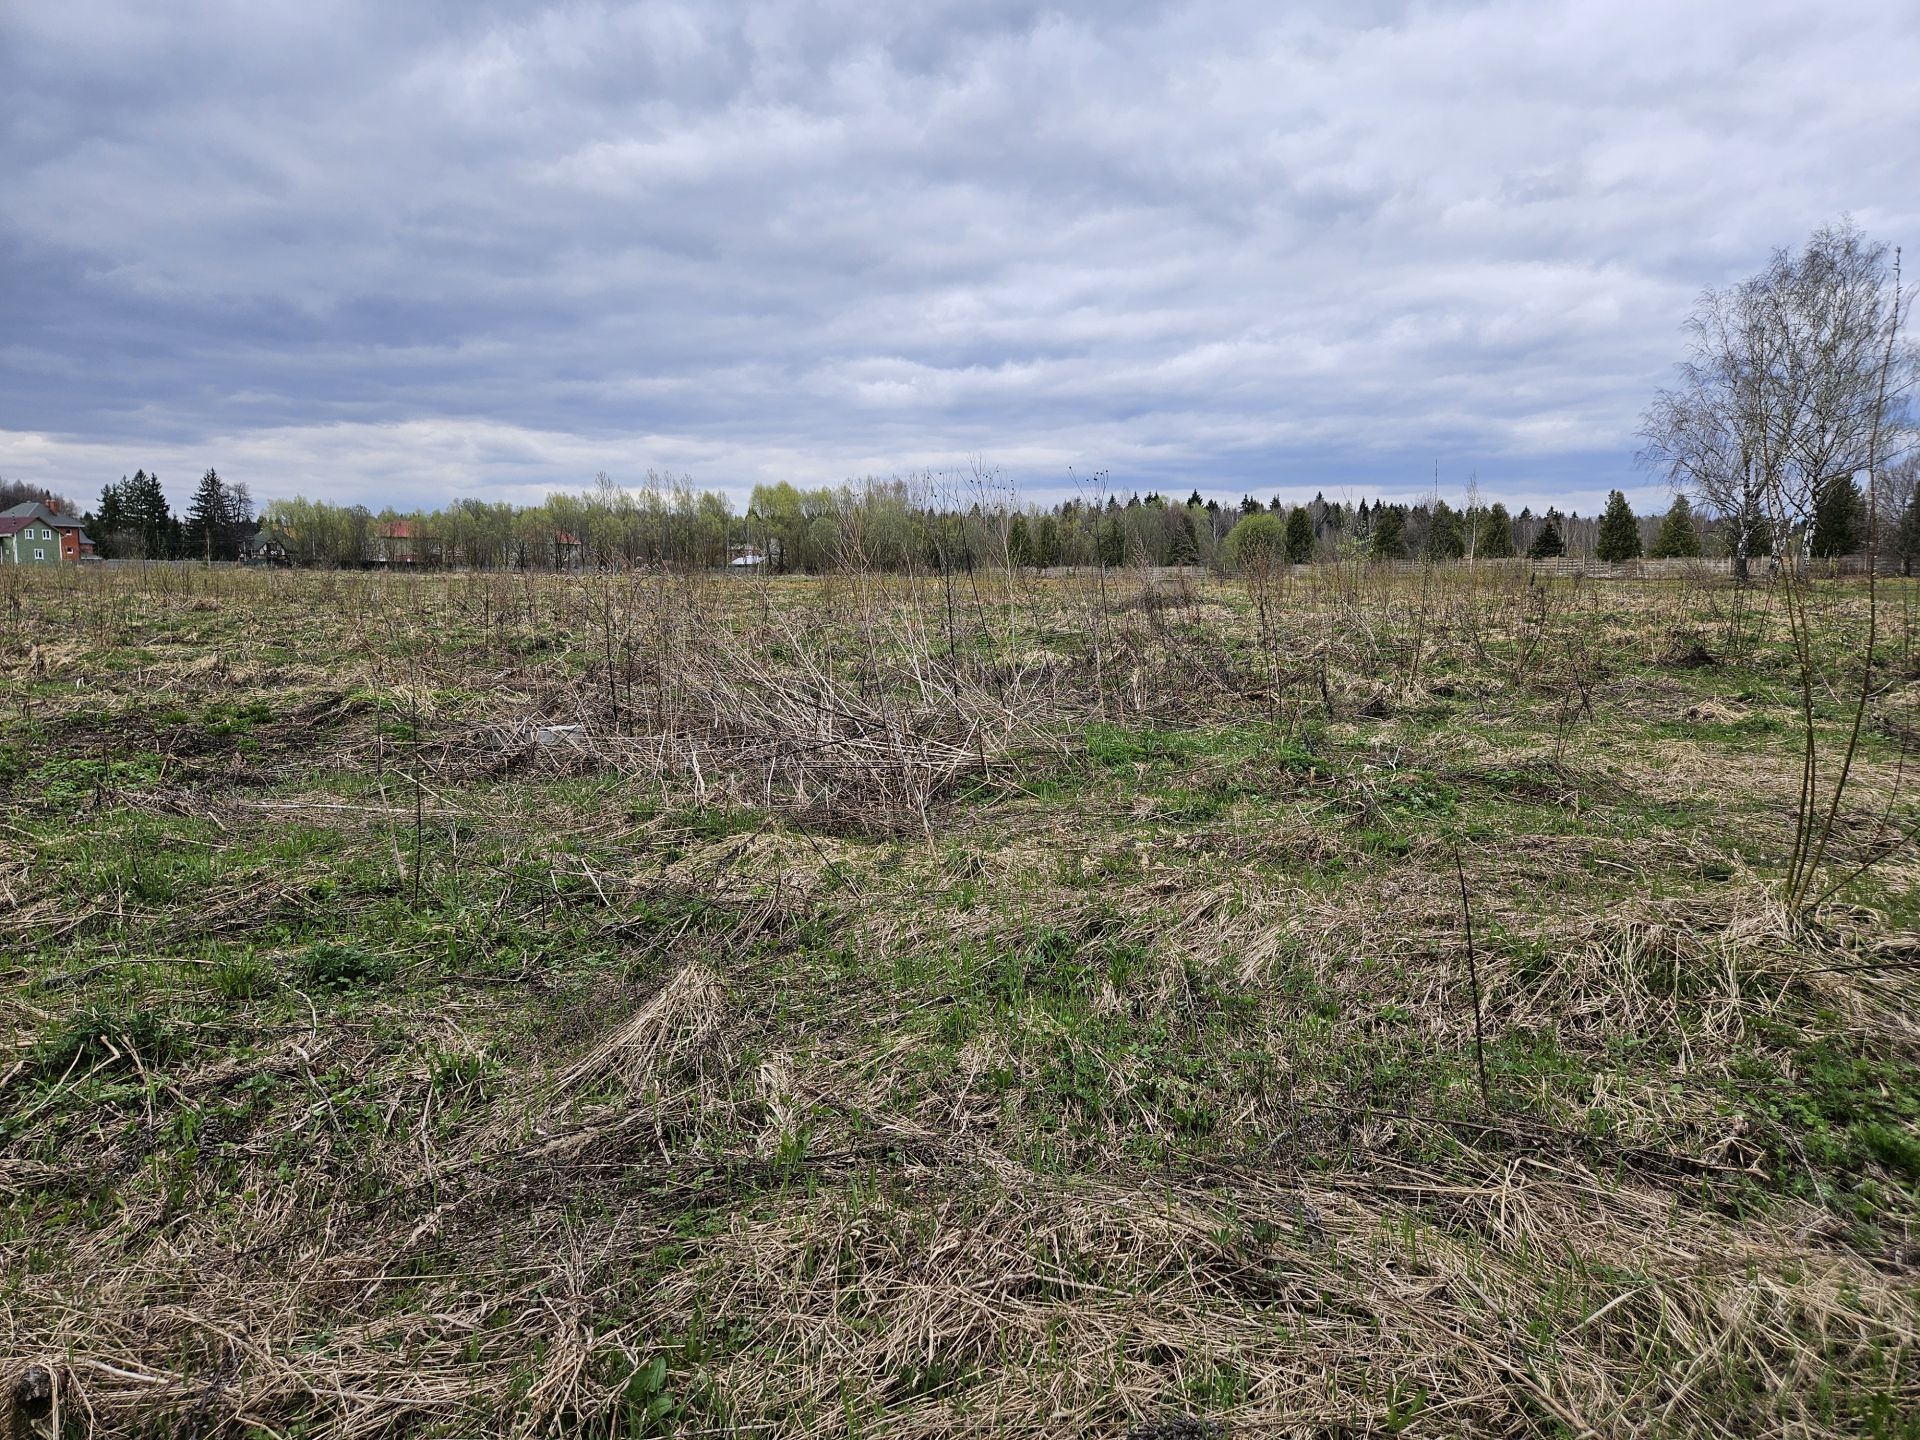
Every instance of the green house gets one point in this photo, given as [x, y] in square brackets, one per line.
[31, 534]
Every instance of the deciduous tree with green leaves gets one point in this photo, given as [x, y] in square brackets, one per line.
[1258, 543]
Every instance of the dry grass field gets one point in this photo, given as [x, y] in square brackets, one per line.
[652, 1004]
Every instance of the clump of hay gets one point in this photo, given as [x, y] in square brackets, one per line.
[672, 1035]
[1713, 712]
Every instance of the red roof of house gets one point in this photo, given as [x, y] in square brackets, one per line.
[31, 512]
[397, 530]
[566, 537]
[14, 524]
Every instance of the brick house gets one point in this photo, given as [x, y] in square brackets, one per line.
[397, 542]
[31, 534]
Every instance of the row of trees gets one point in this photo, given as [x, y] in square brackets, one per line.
[134, 520]
[894, 524]
[664, 521]
[1838, 526]
[929, 522]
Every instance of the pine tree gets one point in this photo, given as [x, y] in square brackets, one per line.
[1906, 535]
[1389, 533]
[1619, 537]
[1444, 540]
[209, 519]
[107, 525]
[1495, 538]
[146, 517]
[1548, 544]
[1182, 547]
[1679, 537]
[1839, 519]
[1046, 542]
[1299, 536]
[1019, 543]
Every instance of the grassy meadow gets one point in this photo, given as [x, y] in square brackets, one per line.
[874, 1005]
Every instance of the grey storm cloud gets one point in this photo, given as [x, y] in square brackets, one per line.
[398, 253]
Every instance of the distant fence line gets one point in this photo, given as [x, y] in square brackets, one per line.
[1559, 567]
[1572, 565]
[1759, 566]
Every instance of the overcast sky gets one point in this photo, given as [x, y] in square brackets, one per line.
[400, 253]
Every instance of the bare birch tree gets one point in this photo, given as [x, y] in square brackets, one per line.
[1798, 380]
[1783, 390]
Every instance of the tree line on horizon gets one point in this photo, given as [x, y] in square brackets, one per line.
[933, 522]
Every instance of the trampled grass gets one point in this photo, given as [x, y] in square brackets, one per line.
[907, 1009]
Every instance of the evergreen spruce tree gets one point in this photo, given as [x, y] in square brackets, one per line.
[1548, 544]
[108, 524]
[1299, 536]
[209, 524]
[1495, 538]
[1389, 533]
[146, 517]
[1619, 537]
[1047, 543]
[1444, 539]
[1839, 519]
[1906, 535]
[1019, 543]
[1679, 537]
[1182, 547]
